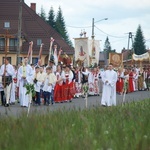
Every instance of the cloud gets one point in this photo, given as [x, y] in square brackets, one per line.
[123, 16]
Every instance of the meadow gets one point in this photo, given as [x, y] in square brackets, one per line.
[124, 127]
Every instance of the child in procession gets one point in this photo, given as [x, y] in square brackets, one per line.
[48, 88]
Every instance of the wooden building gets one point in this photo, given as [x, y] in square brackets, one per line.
[33, 28]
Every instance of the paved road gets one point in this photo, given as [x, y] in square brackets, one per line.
[77, 103]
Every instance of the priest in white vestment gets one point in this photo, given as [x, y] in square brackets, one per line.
[25, 75]
[109, 79]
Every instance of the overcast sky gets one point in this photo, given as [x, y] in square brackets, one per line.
[124, 16]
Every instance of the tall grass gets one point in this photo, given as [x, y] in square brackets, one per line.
[113, 128]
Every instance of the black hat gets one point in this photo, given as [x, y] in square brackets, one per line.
[51, 59]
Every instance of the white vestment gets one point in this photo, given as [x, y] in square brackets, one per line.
[28, 72]
[109, 88]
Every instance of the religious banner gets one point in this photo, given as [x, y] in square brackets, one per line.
[94, 50]
[116, 59]
[86, 51]
[142, 57]
[81, 51]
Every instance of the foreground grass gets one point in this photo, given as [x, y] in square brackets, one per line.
[115, 128]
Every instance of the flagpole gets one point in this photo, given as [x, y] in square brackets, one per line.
[40, 52]
[31, 52]
[50, 48]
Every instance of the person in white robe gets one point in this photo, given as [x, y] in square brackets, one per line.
[25, 75]
[7, 70]
[109, 79]
[13, 88]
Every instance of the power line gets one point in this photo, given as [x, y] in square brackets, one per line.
[78, 27]
[109, 34]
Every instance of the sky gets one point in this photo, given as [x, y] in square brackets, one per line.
[124, 16]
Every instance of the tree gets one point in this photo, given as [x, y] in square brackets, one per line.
[107, 47]
[43, 14]
[61, 27]
[139, 42]
[51, 18]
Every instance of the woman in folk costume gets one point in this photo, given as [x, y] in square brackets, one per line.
[96, 81]
[58, 91]
[135, 80]
[130, 87]
[119, 84]
[126, 80]
[140, 80]
[78, 85]
[67, 76]
[25, 75]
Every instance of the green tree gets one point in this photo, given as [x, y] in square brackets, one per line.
[107, 47]
[43, 14]
[51, 18]
[61, 27]
[139, 42]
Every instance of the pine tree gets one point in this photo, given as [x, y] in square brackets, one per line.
[43, 14]
[107, 47]
[139, 42]
[61, 27]
[51, 18]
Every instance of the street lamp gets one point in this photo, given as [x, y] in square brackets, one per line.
[94, 25]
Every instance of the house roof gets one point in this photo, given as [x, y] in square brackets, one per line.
[33, 27]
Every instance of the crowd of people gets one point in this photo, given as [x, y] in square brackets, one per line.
[62, 83]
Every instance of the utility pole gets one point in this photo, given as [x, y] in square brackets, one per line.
[93, 25]
[93, 29]
[19, 32]
[130, 37]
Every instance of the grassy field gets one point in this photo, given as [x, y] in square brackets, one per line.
[114, 128]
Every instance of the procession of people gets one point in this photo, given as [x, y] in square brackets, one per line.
[63, 82]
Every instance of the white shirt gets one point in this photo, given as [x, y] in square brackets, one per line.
[9, 68]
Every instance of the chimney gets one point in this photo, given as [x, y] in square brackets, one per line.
[33, 6]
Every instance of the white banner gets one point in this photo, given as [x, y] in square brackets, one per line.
[141, 57]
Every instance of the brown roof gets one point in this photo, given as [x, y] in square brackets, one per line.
[33, 27]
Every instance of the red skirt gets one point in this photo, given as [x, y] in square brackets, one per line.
[119, 85]
[130, 88]
[58, 93]
[68, 91]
